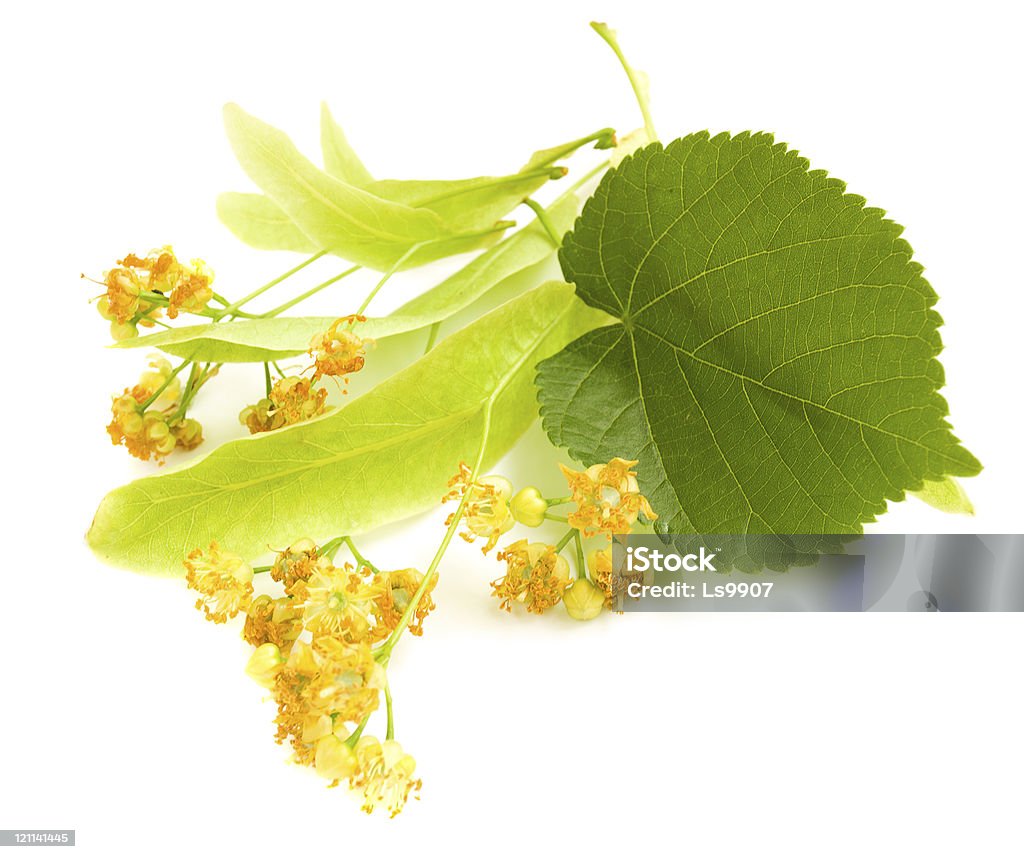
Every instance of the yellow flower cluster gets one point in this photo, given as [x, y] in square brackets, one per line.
[607, 502]
[138, 288]
[292, 400]
[317, 649]
[337, 352]
[146, 419]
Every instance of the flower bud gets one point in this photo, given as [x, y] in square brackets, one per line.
[264, 664]
[583, 600]
[529, 506]
[123, 330]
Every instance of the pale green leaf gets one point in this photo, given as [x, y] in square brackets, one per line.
[472, 204]
[774, 368]
[340, 159]
[383, 456]
[464, 205]
[946, 495]
[249, 340]
[336, 216]
[261, 223]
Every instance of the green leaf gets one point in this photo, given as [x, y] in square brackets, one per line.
[340, 159]
[774, 365]
[250, 340]
[261, 223]
[465, 206]
[384, 456]
[336, 216]
[946, 495]
[472, 204]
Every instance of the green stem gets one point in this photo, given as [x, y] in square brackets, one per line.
[391, 715]
[554, 502]
[605, 139]
[581, 562]
[231, 308]
[358, 732]
[356, 554]
[290, 304]
[635, 79]
[545, 221]
[170, 378]
[555, 518]
[330, 548]
[266, 377]
[501, 226]
[561, 544]
[384, 652]
[387, 276]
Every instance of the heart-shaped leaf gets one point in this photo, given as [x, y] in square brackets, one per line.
[774, 365]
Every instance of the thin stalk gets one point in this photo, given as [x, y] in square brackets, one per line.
[290, 304]
[356, 554]
[545, 221]
[358, 732]
[330, 548]
[383, 654]
[581, 563]
[554, 502]
[170, 378]
[231, 308]
[391, 715]
[266, 377]
[561, 544]
[636, 80]
[432, 336]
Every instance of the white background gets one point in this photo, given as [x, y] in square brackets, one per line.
[127, 717]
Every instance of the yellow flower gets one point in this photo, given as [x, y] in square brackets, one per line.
[320, 685]
[272, 621]
[385, 775]
[607, 498]
[146, 435]
[536, 575]
[613, 584]
[486, 512]
[121, 302]
[223, 580]
[292, 400]
[334, 759]
[396, 591]
[188, 433]
[338, 602]
[338, 351]
[191, 290]
[296, 563]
